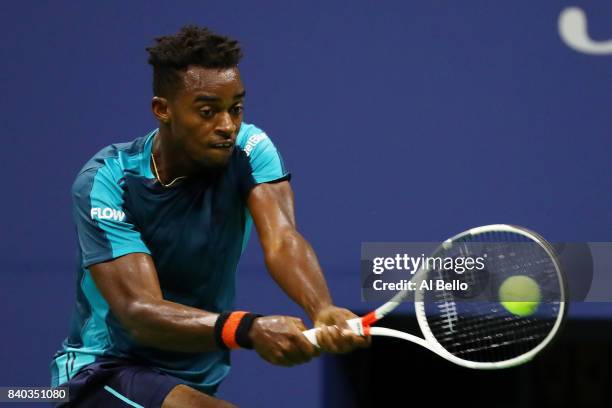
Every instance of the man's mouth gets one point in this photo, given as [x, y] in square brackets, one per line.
[224, 145]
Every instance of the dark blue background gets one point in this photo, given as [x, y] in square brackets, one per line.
[400, 121]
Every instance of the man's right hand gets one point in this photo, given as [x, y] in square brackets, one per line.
[279, 340]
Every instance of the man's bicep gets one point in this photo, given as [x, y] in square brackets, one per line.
[125, 281]
[271, 206]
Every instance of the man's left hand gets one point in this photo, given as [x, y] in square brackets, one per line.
[335, 336]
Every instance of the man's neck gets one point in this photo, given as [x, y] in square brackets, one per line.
[171, 163]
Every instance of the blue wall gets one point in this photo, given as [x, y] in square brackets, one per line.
[400, 121]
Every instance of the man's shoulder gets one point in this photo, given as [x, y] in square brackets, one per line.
[111, 162]
[246, 132]
[249, 137]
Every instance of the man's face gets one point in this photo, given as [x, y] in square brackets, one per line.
[206, 113]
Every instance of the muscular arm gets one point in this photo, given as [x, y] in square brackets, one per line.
[294, 266]
[130, 286]
[289, 257]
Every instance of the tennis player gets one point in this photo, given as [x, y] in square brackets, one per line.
[161, 223]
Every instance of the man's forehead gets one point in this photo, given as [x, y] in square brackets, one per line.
[203, 79]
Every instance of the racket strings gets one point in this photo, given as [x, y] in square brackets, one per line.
[491, 318]
[467, 331]
[489, 339]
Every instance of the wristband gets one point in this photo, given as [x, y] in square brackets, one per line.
[232, 329]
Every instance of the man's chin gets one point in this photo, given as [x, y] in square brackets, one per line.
[214, 163]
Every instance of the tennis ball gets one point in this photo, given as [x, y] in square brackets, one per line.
[520, 295]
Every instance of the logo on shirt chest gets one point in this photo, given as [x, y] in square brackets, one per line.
[107, 214]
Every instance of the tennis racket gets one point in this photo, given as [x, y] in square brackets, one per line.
[474, 329]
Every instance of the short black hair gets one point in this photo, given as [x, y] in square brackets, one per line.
[192, 45]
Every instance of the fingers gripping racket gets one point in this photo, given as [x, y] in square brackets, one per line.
[480, 332]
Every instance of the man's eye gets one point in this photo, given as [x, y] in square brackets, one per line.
[207, 113]
[237, 110]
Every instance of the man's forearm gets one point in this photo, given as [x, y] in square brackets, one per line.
[294, 266]
[171, 326]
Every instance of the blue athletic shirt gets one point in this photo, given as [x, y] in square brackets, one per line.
[195, 232]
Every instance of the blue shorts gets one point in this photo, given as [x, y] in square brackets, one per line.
[118, 383]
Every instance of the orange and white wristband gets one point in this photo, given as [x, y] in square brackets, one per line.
[232, 329]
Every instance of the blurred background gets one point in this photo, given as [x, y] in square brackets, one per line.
[400, 121]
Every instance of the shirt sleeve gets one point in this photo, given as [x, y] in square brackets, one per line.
[263, 162]
[103, 228]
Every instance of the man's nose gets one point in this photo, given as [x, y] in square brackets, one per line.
[225, 125]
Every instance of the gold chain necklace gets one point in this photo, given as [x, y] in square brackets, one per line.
[157, 174]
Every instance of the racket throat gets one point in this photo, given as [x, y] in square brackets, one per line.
[361, 326]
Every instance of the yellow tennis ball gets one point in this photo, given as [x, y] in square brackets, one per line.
[520, 295]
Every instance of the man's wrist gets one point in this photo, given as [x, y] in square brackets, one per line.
[315, 312]
[232, 329]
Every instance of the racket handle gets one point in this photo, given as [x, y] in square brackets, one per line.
[355, 325]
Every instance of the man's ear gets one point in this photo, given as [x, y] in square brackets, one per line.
[161, 110]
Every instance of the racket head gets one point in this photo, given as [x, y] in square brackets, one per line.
[483, 334]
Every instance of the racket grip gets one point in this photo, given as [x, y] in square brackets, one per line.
[355, 325]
